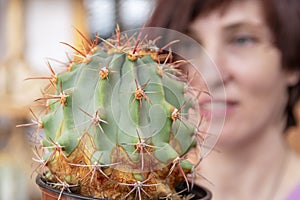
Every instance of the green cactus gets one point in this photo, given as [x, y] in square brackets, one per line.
[114, 124]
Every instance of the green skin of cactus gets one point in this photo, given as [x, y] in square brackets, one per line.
[124, 119]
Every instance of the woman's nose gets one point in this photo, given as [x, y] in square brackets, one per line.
[215, 67]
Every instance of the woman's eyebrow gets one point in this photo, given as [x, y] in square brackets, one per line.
[240, 25]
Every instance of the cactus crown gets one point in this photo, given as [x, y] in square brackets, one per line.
[116, 123]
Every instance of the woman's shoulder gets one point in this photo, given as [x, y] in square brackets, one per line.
[292, 179]
[295, 194]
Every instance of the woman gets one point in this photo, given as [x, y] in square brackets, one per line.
[255, 45]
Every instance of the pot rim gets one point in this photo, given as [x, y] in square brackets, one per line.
[42, 184]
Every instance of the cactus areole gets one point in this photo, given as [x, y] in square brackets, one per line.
[116, 123]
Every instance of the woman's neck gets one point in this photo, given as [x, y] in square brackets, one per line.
[256, 169]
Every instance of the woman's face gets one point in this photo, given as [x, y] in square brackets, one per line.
[239, 42]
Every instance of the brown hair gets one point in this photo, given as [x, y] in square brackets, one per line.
[282, 16]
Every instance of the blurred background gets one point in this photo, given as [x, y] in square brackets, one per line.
[30, 32]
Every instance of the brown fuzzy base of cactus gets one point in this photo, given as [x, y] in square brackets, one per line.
[90, 182]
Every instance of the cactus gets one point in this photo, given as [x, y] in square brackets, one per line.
[115, 124]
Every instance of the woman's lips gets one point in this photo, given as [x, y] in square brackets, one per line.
[216, 108]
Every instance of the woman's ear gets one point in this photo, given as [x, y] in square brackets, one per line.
[292, 77]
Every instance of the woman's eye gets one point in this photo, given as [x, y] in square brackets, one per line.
[243, 40]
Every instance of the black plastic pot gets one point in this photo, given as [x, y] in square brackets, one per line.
[50, 193]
